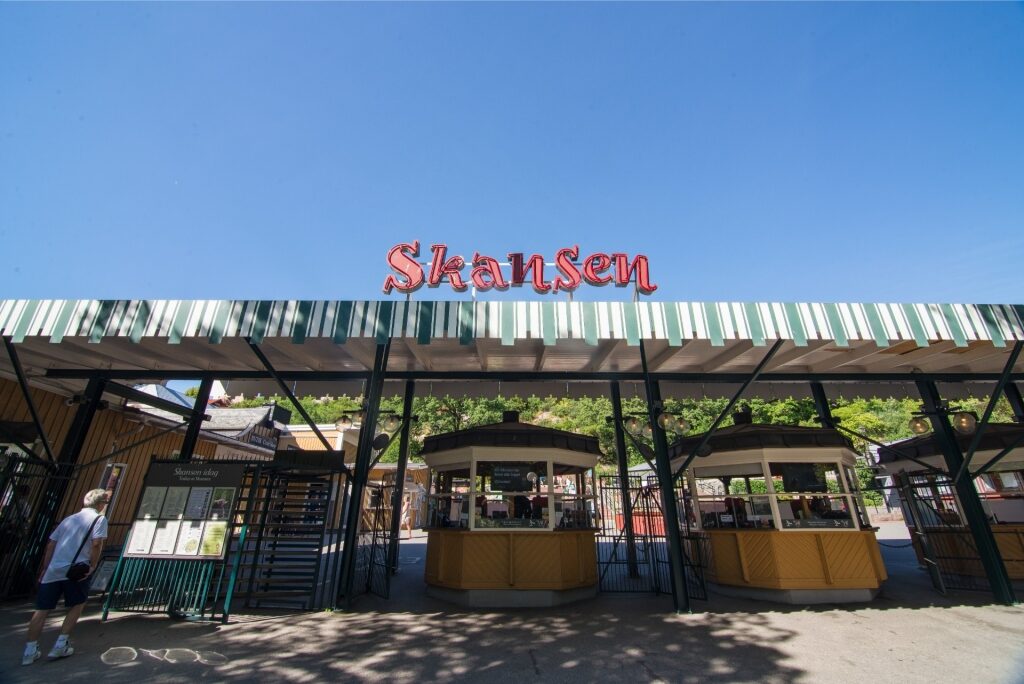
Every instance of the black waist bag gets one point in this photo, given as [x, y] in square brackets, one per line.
[78, 571]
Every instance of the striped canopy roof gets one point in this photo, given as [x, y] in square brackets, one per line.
[539, 337]
[425, 321]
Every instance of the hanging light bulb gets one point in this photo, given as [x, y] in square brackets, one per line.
[343, 423]
[682, 426]
[668, 422]
[919, 425]
[392, 423]
[964, 422]
[632, 425]
[647, 431]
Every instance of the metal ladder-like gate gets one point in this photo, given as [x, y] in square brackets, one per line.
[643, 567]
[283, 560]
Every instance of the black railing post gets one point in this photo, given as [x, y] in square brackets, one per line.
[360, 473]
[624, 490]
[670, 511]
[403, 461]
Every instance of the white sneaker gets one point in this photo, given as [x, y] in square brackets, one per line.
[57, 653]
[30, 656]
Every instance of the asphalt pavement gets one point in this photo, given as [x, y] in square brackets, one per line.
[908, 634]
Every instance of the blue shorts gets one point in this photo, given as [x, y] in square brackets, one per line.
[75, 593]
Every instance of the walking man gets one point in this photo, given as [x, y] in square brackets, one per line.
[78, 539]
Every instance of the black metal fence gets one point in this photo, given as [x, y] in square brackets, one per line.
[371, 572]
[24, 482]
[941, 538]
[641, 564]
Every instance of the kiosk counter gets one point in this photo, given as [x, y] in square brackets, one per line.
[511, 515]
[782, 513]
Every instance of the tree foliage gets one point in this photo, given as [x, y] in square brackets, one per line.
[881, 419]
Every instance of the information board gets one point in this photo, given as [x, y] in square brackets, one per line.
[184, 510]
[510, 477]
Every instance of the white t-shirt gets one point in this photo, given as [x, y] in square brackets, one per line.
[69, 535]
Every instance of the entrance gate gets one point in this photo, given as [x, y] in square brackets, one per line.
[288, 558]
[644, 567]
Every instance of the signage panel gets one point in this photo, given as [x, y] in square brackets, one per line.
[185, 510]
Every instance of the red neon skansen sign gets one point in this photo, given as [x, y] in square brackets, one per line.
[486, 272]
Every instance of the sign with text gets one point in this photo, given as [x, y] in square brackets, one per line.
[511, 478]
[487, 273]
[818, 524]
[184, 511]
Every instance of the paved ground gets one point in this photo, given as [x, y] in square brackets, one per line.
[909, 634]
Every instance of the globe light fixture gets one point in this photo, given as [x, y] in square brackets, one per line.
[673, 424]
[668, 422]
[343, 423]
[633, 426]
[392, 423]
[965, 423]
[919, 425]
[647, 431]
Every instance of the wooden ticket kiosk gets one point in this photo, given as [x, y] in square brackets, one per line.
[782, 511]
[511, 515]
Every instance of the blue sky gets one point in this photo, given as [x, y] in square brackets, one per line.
[840, 152]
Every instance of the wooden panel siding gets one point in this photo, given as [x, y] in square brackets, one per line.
[108, 426]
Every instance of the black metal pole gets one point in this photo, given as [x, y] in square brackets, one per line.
[821, 405]
[291, 397]
[627, 504]
[747, 382]
[361, 472]
[977, 521]
[403, 462]
[1016, 402]
[58, 483]
[195, 421]
[676, 559]
[23, 384]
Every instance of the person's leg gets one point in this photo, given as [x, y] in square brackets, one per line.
[46, 600]
[71, 619]
[75, 595]
[35, 625]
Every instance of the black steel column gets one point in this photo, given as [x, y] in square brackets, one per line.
[59, 482]
[1012, 393]
[361, 473]
[977, 521]
[624, 491]
[403, 461]
[27, 394]
[195, 421]
[821, 405]
[676, 559]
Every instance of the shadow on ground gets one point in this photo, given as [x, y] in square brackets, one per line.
[909, 633]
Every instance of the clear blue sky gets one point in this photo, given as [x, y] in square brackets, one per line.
[852, 152]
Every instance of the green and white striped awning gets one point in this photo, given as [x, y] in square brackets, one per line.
[510, 322]
[526, 342]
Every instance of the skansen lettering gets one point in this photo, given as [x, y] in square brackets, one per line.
[486, 272]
